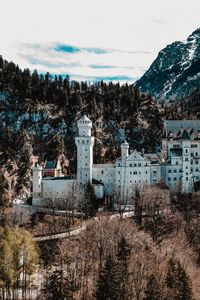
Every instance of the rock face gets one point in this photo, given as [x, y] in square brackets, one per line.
[175, 73]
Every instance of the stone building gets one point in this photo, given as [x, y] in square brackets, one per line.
[177, 165]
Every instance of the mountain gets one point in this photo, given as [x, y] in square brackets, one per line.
[175, 73]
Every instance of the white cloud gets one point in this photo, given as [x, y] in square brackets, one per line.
[130, 26]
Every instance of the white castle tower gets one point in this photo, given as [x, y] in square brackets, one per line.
[84, 143]
[124, 152]
[37, 179]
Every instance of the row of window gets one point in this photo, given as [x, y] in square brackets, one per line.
[135, 181]
[179, 146]
[175, 179]
[134, 172]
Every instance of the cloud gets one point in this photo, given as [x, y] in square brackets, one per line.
[83, 63]
[73, 49]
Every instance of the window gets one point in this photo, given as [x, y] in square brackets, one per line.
[130, 181]
[191, 162]
[146, 172]
[130, 165]
[186, 167]
[135, 165]
[102, 172]
[85, 156]
[196, 162]
[175, 171]
[130, 173]
[196, 170]
[194, 146]
[139, 165]
[180, 170]
[196, 153]
[176, 162]
[86, 165]
[186, 178]
[169, 171]
[118, 172]
[135, 172]
[191, 169]
[169, 179]
[186, 173]
[154, 171]
[174, 178]
[186, 159]
[118, 180]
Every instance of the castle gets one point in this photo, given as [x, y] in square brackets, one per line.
[177, 165]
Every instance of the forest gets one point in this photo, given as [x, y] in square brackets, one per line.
[153, 255]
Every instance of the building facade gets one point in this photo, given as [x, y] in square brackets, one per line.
[177, 166]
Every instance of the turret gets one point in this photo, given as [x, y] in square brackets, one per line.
[124, 152]
[37, 179]
[84, 143]
[84, 126]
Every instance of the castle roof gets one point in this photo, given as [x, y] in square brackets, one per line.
[59, 178]
[96, 182]
[175, 126]
[84, 118]
[51, 164]
[185, 135]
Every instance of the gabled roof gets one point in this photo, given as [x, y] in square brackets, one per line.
[185, 135]
[135, 155]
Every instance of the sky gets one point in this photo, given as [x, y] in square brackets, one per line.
[93, 40]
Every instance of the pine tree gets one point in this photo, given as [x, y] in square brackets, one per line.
[123, 255]
[152, 291]
[178, 282]
[108, 284]
[91, 203]
[184, 284]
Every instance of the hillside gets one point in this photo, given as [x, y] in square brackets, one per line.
[175, 73]
[39, 114]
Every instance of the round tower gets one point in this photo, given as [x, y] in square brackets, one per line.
[37, 188]
[124, 152]
[84, 143]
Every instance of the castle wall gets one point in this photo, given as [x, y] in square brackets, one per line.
[105, 173]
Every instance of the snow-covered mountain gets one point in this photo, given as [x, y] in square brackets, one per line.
[175, 73]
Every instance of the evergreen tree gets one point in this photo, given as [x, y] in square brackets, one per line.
[108, 284]
[152, 291]
[57, 286]
[178, 282]
[123, 255]
[91, 204]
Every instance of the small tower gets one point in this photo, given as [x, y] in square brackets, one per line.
[124, 152]
[37, 179]
[84, 143]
